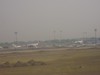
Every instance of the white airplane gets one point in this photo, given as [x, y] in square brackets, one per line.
[33, 45]
[80, 42]
[15, 46]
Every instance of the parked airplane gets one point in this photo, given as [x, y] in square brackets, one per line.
[33, 45]
[16, 46]
[79, 42]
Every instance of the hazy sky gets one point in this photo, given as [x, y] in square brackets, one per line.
[37, 19]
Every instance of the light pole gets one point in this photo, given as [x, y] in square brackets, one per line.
[85, 37]
[60, 40]
[60, 34]
[54, 33]
[16, 39]
[95, 30]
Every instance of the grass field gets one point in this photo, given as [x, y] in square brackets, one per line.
[58, 62]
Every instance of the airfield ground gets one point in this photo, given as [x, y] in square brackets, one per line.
[60, 61]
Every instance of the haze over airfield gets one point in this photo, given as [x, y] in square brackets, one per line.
[37, 19]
